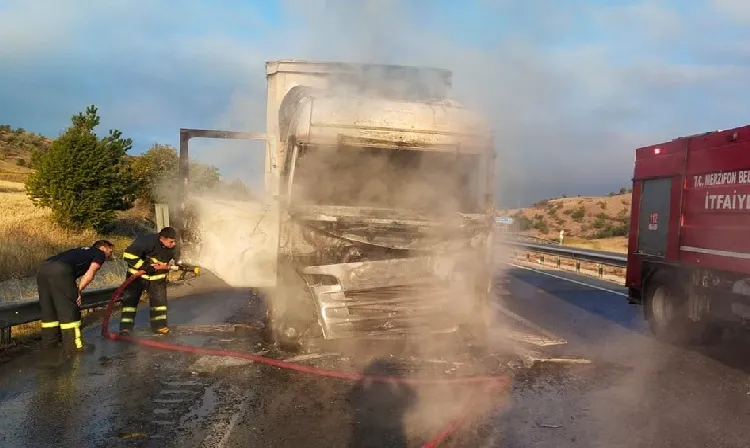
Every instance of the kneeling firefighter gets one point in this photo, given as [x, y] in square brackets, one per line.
[150, 254]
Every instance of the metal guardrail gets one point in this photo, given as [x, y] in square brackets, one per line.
[593, 256]
[25, 311]
[531, 244]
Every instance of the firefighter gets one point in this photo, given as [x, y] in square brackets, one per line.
[151, 254]
[60, 298]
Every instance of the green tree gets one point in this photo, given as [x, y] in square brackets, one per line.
[82, 178]
[157, 166]
[158, 169]
[203, 176]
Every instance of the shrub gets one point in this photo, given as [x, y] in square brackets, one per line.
[82, 178]
[578, 214]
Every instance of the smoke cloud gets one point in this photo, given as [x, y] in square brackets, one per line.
[563, 83]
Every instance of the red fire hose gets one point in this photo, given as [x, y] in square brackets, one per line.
[495, 381]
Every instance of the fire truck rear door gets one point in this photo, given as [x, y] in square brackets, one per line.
[654, 216]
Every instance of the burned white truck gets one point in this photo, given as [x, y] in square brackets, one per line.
[378, 212]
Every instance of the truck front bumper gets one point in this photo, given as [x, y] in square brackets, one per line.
[394, 297]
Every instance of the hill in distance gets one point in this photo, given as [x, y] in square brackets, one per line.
[16, 148]
[600, 223]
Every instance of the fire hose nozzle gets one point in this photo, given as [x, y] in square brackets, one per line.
[186, 268]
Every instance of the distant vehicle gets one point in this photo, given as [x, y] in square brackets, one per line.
[382, 221]
[689, 244]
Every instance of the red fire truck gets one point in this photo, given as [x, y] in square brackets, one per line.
[689, 244]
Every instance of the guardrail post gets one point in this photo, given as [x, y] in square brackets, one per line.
[528, 256]
[161, 211]
[558, 262]
[5, 336]
[578, 267]
[542, 259]
[601, 270]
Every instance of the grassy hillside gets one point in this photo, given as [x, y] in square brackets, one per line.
[16, 148]
[600, 223]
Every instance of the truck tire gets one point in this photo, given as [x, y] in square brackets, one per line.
[290, 319]
[665, 309]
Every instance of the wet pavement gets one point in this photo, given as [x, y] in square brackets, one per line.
[635, 392]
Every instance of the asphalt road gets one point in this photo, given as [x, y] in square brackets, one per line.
[634, 393]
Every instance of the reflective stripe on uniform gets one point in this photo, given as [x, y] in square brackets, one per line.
[76, 327]
[68, 326]
[77, 340]
[148, 277]
[52, 324]
[159, 312]
[154, 277]
[130, 256]
[126, 319]
[129, 309]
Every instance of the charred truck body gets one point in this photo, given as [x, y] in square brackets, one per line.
[382, 212]
[689, 246]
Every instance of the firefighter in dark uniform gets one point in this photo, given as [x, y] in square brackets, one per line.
[60, 297]
[151, 254]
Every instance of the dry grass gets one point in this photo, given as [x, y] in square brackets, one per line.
[11, 172]
[615, 244]
[28, 236]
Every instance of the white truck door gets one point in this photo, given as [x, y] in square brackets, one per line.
[238, 241]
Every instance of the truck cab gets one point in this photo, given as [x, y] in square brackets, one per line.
[380, 208]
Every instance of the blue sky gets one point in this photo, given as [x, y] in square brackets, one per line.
[571, 87]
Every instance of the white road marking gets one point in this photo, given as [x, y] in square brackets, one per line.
[552, 339]
[223, 432]
[530, 357]
[182, 383]
[569, 280]
[169, 400]
[176, 392]
[310, 356]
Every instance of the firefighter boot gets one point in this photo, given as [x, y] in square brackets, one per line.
[51, 336]
[72, 341]
[162, 331]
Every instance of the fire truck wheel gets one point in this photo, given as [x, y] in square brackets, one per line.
[667, 315]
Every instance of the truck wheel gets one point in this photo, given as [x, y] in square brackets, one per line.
[666, 312]
[290, 316]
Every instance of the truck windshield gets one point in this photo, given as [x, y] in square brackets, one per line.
[430, 183]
